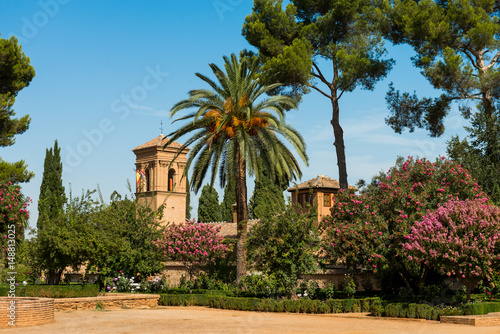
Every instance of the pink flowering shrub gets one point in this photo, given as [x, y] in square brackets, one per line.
[354, 233]
[459, 239]
[193, 244]
[14, 213]
[370, 229]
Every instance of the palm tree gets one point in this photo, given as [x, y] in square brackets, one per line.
[233, 133]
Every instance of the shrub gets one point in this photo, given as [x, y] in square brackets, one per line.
[290, 306]
[312, 289]
[376, 308]
[406, 310]
[258, 285]
[370, 228]
[184, 300]
[330, 291]
[193, 244]
[478, 308]
[54, 291]
[458, 239]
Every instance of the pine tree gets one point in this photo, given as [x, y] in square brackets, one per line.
[208, 205]
[16, 73]
[226, 206]
[52, 197]
[479, 152]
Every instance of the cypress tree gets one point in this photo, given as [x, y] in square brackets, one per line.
[267, 198]
[208, 205]
[50, 213]
[226, 206]
[52, 197]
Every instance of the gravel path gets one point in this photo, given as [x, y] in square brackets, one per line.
[205, 320]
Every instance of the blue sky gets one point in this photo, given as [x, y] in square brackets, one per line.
[108, 72]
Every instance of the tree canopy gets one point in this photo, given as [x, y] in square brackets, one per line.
[300, 44]
[457, 48]
[16, 73]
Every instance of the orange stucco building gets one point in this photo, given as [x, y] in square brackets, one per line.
[161, 181]
[320, 191]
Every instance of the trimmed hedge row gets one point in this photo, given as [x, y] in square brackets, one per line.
[478, 308]
[53, 291]
[186, 291]
[405, 310]
[269, 305]
[425, 311]
[183, 300]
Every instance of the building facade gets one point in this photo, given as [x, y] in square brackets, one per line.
[159, 180]
[319, 191]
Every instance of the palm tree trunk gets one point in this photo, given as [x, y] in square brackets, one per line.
[242, 215]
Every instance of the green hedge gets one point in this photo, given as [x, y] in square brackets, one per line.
[185, 291]
[183, 300]
[424, 311]
[54, 291]
[268, 305]
[478, 308]
[405, 310]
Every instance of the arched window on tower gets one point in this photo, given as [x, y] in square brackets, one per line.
[171, 175]
[148, 182]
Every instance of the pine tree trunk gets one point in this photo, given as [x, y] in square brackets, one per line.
[338, 133]
[242, 215]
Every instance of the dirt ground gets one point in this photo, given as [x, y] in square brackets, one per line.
[205, 320]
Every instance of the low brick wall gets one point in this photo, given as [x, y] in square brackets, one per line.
[490, 319]
[25, 311]
[108, 301]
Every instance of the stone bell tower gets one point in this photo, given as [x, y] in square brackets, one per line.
[158, 181]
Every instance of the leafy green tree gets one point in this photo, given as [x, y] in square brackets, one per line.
[457, 48]
[208, 205]
[480, 152]
[232, 126]
[64, 240]
[284, 246]
[16, 73]
[294, 42]
[267, 198]
[124, 232]
[52, 197]
[226, 206]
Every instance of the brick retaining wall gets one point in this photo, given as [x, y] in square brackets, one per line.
[28, 311]
[490, 319]
[109, 300]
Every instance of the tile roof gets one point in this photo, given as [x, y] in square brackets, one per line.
[320, 181]
[157, 142]
[228, 229]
